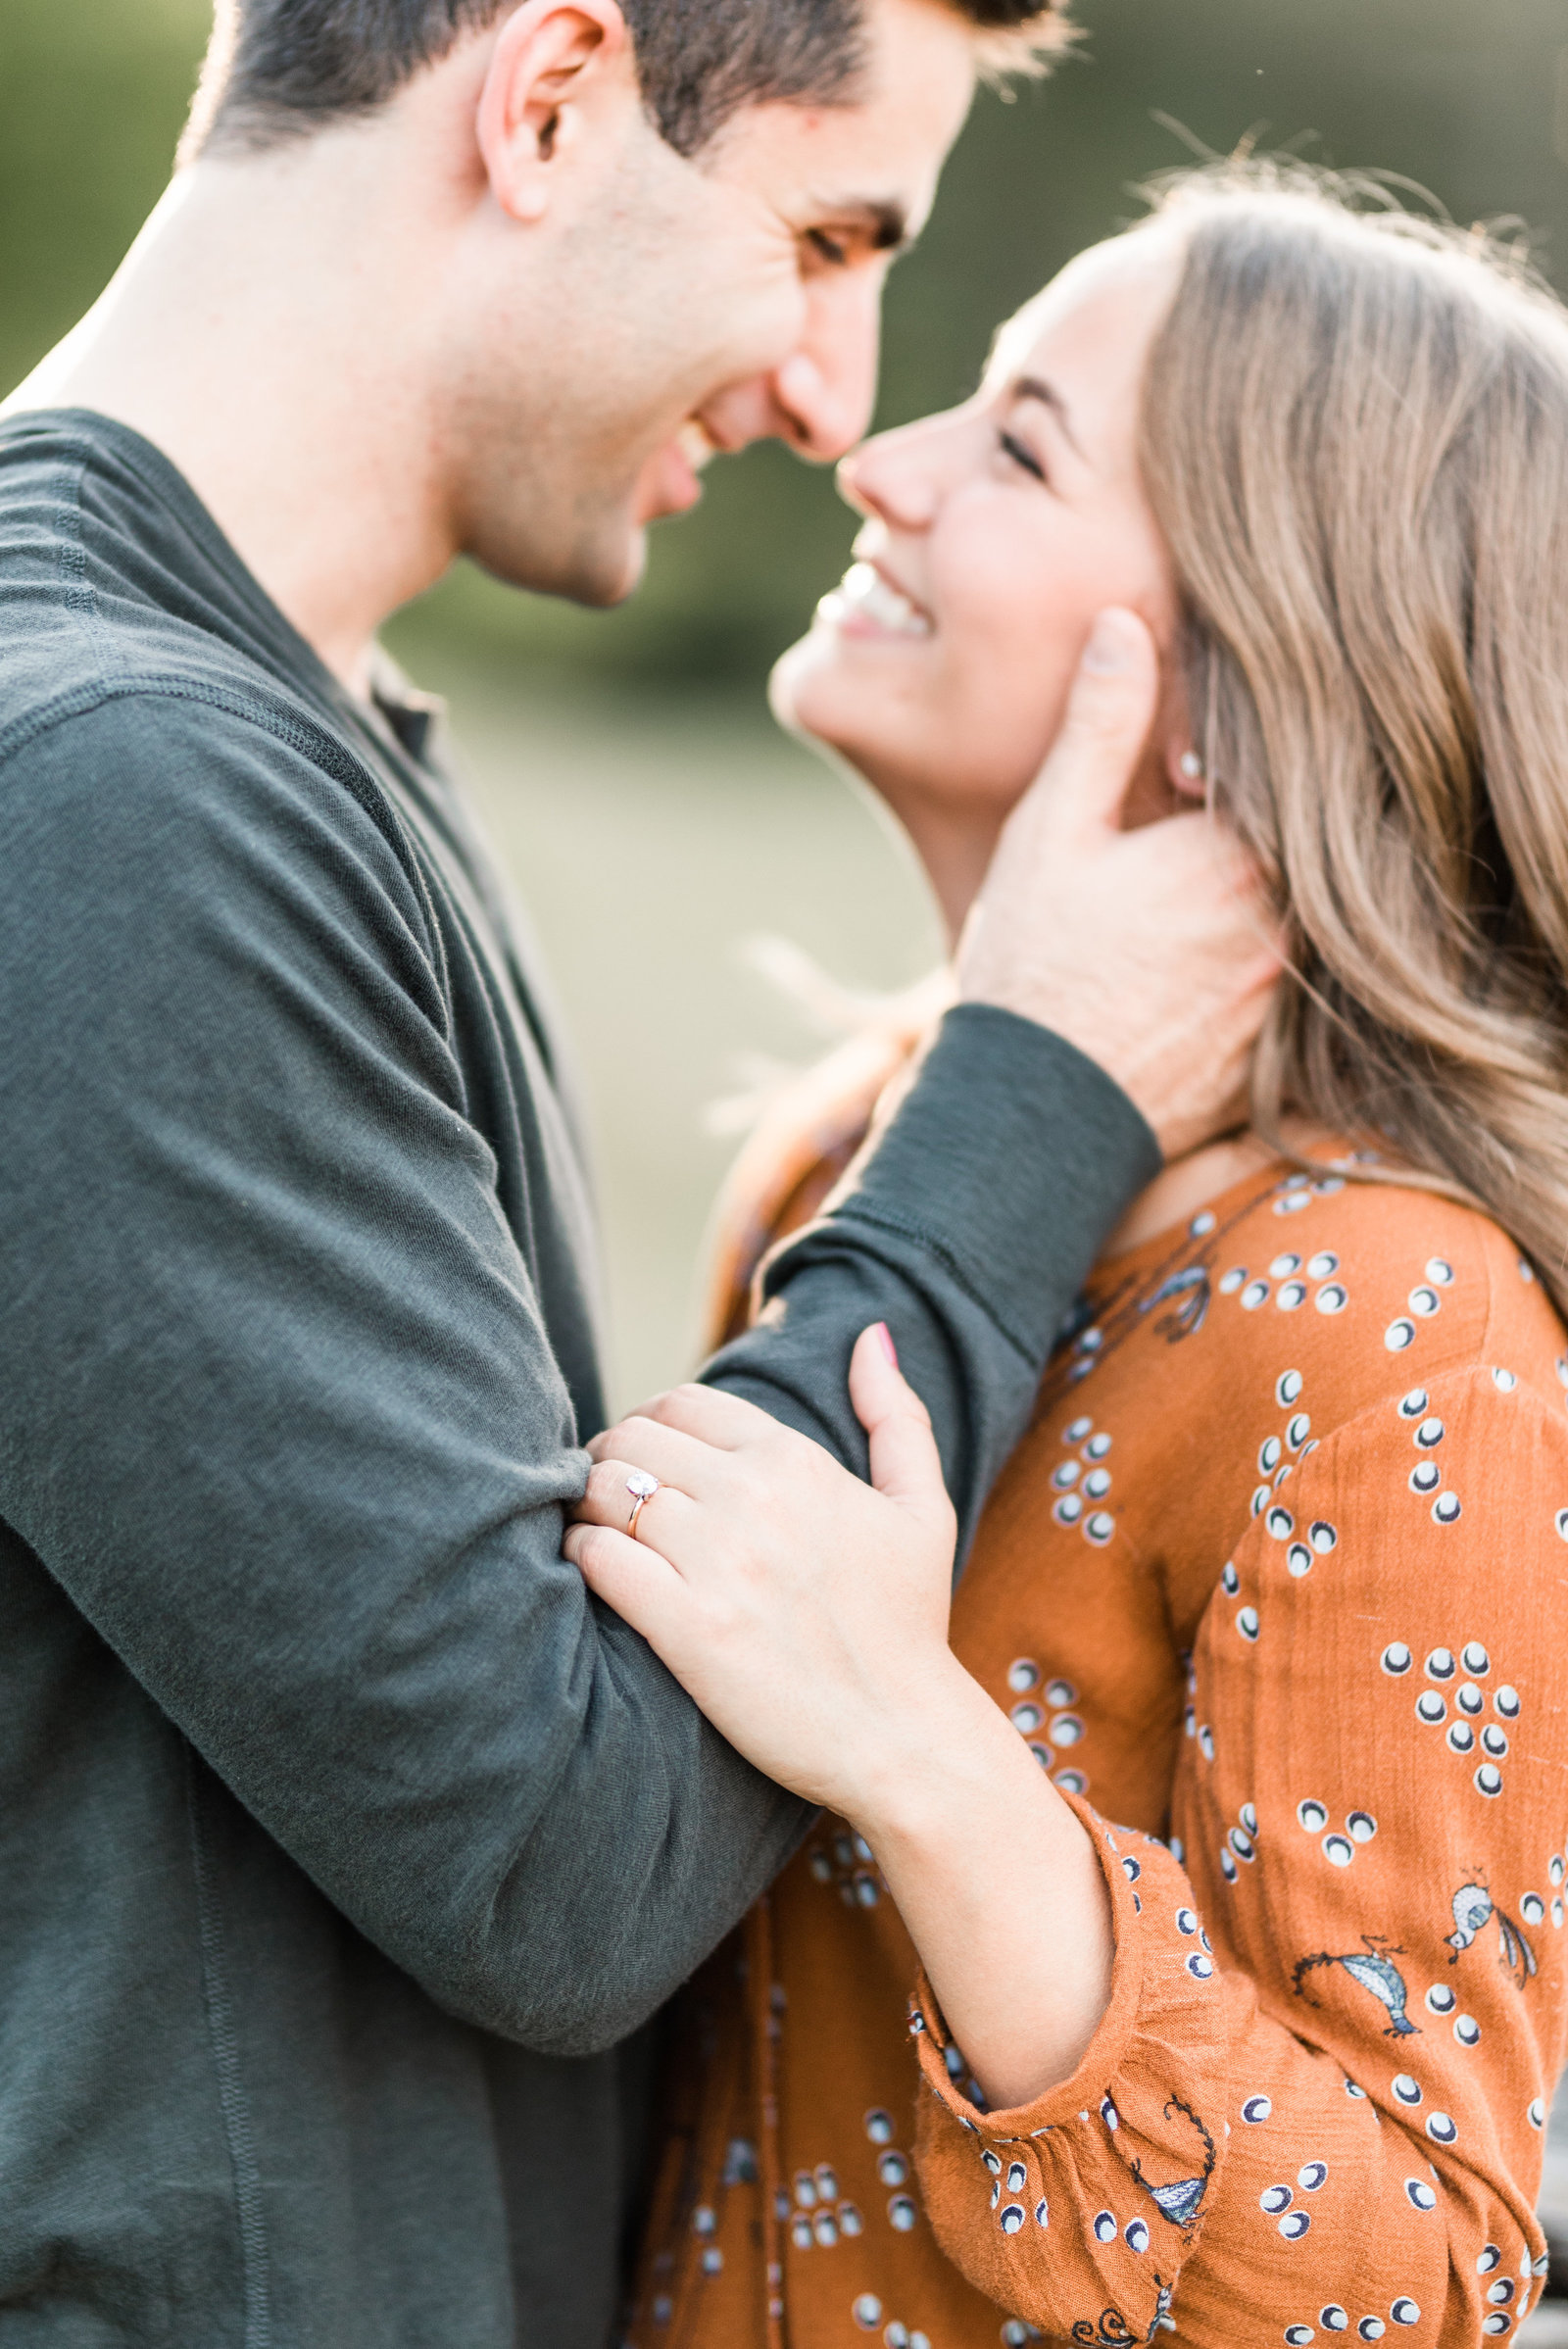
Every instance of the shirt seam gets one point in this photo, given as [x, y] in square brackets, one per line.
[307, 735]
[240, 2136]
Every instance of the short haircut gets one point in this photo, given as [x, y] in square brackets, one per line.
[279, 69]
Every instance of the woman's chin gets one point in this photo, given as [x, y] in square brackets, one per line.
[814, 692]
[784, 688]
[807, 688]
[901, 750]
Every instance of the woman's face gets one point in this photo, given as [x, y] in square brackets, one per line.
[993, 534]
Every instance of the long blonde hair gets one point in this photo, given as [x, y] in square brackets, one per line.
[1355, 442]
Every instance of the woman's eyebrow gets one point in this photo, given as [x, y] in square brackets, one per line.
[1035, 387]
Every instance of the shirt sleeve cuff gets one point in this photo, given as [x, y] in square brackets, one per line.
[1122, 2156]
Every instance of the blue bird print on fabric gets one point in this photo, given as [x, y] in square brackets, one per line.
[1472, 1908]
[1192, 1289]
[1179, 2201]
[1372, 1968]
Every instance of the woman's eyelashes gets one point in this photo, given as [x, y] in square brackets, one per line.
[1022, 455]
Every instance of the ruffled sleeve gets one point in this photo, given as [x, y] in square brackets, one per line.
[1338, 2003]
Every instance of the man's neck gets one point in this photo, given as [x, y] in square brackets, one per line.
[283, 379]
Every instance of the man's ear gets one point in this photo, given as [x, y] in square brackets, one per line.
[552, 61]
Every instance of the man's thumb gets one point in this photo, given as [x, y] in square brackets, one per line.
[906, 1464]
[1109, 712]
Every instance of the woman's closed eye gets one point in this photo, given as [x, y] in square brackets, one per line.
[1022, 455]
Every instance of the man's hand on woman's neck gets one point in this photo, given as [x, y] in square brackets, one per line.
[1151, 950]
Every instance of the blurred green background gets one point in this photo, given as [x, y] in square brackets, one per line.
[1468, 97]
[624, 759]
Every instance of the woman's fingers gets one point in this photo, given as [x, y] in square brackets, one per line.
[905, 1465]
[721, 1420]
[805, 1611]
[667, 1452]
[642, 1586]
[611, 1498]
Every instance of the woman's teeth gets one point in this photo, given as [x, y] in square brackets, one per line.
[863, 594]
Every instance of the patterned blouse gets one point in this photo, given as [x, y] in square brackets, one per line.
[1276, 1588]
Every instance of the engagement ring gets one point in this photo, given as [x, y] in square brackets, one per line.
[642, 1487]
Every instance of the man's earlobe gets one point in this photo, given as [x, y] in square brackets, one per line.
[551, 60]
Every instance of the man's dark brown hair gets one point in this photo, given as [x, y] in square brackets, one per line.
[280, 67]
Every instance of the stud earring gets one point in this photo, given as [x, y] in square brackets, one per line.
[1192, 766]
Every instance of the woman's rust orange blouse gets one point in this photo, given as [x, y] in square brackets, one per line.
[1276, 1588]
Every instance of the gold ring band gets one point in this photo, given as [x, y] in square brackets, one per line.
[642, 1487]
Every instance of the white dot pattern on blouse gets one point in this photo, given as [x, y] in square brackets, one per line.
[1273, 1580]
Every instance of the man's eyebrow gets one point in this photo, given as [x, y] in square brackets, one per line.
[1035, 387]
[884, 220]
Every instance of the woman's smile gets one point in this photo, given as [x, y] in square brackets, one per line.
[939, 667]
[868, 602]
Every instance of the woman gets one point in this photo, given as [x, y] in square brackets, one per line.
[1226, 1839]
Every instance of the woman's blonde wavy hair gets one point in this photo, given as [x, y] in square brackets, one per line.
[1356, 443]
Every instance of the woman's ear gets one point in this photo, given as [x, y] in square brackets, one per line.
[551, 57]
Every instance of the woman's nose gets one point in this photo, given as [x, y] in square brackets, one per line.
[895, 477]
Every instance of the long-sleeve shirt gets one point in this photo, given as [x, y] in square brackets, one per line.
[1276, 1588]
[341, 1835]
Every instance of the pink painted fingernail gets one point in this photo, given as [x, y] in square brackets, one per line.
[888, 1346]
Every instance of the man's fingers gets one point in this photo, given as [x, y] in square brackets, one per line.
[1066, 817]
[1109, 712]
[1205, 867]
[906, 1464]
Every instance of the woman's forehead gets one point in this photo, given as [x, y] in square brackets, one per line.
[1111, 292]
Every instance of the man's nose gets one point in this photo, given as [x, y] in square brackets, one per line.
[824, 391]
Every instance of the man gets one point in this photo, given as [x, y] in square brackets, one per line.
[345, 1841]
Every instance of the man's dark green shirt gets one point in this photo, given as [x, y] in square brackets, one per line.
[345, 1843]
